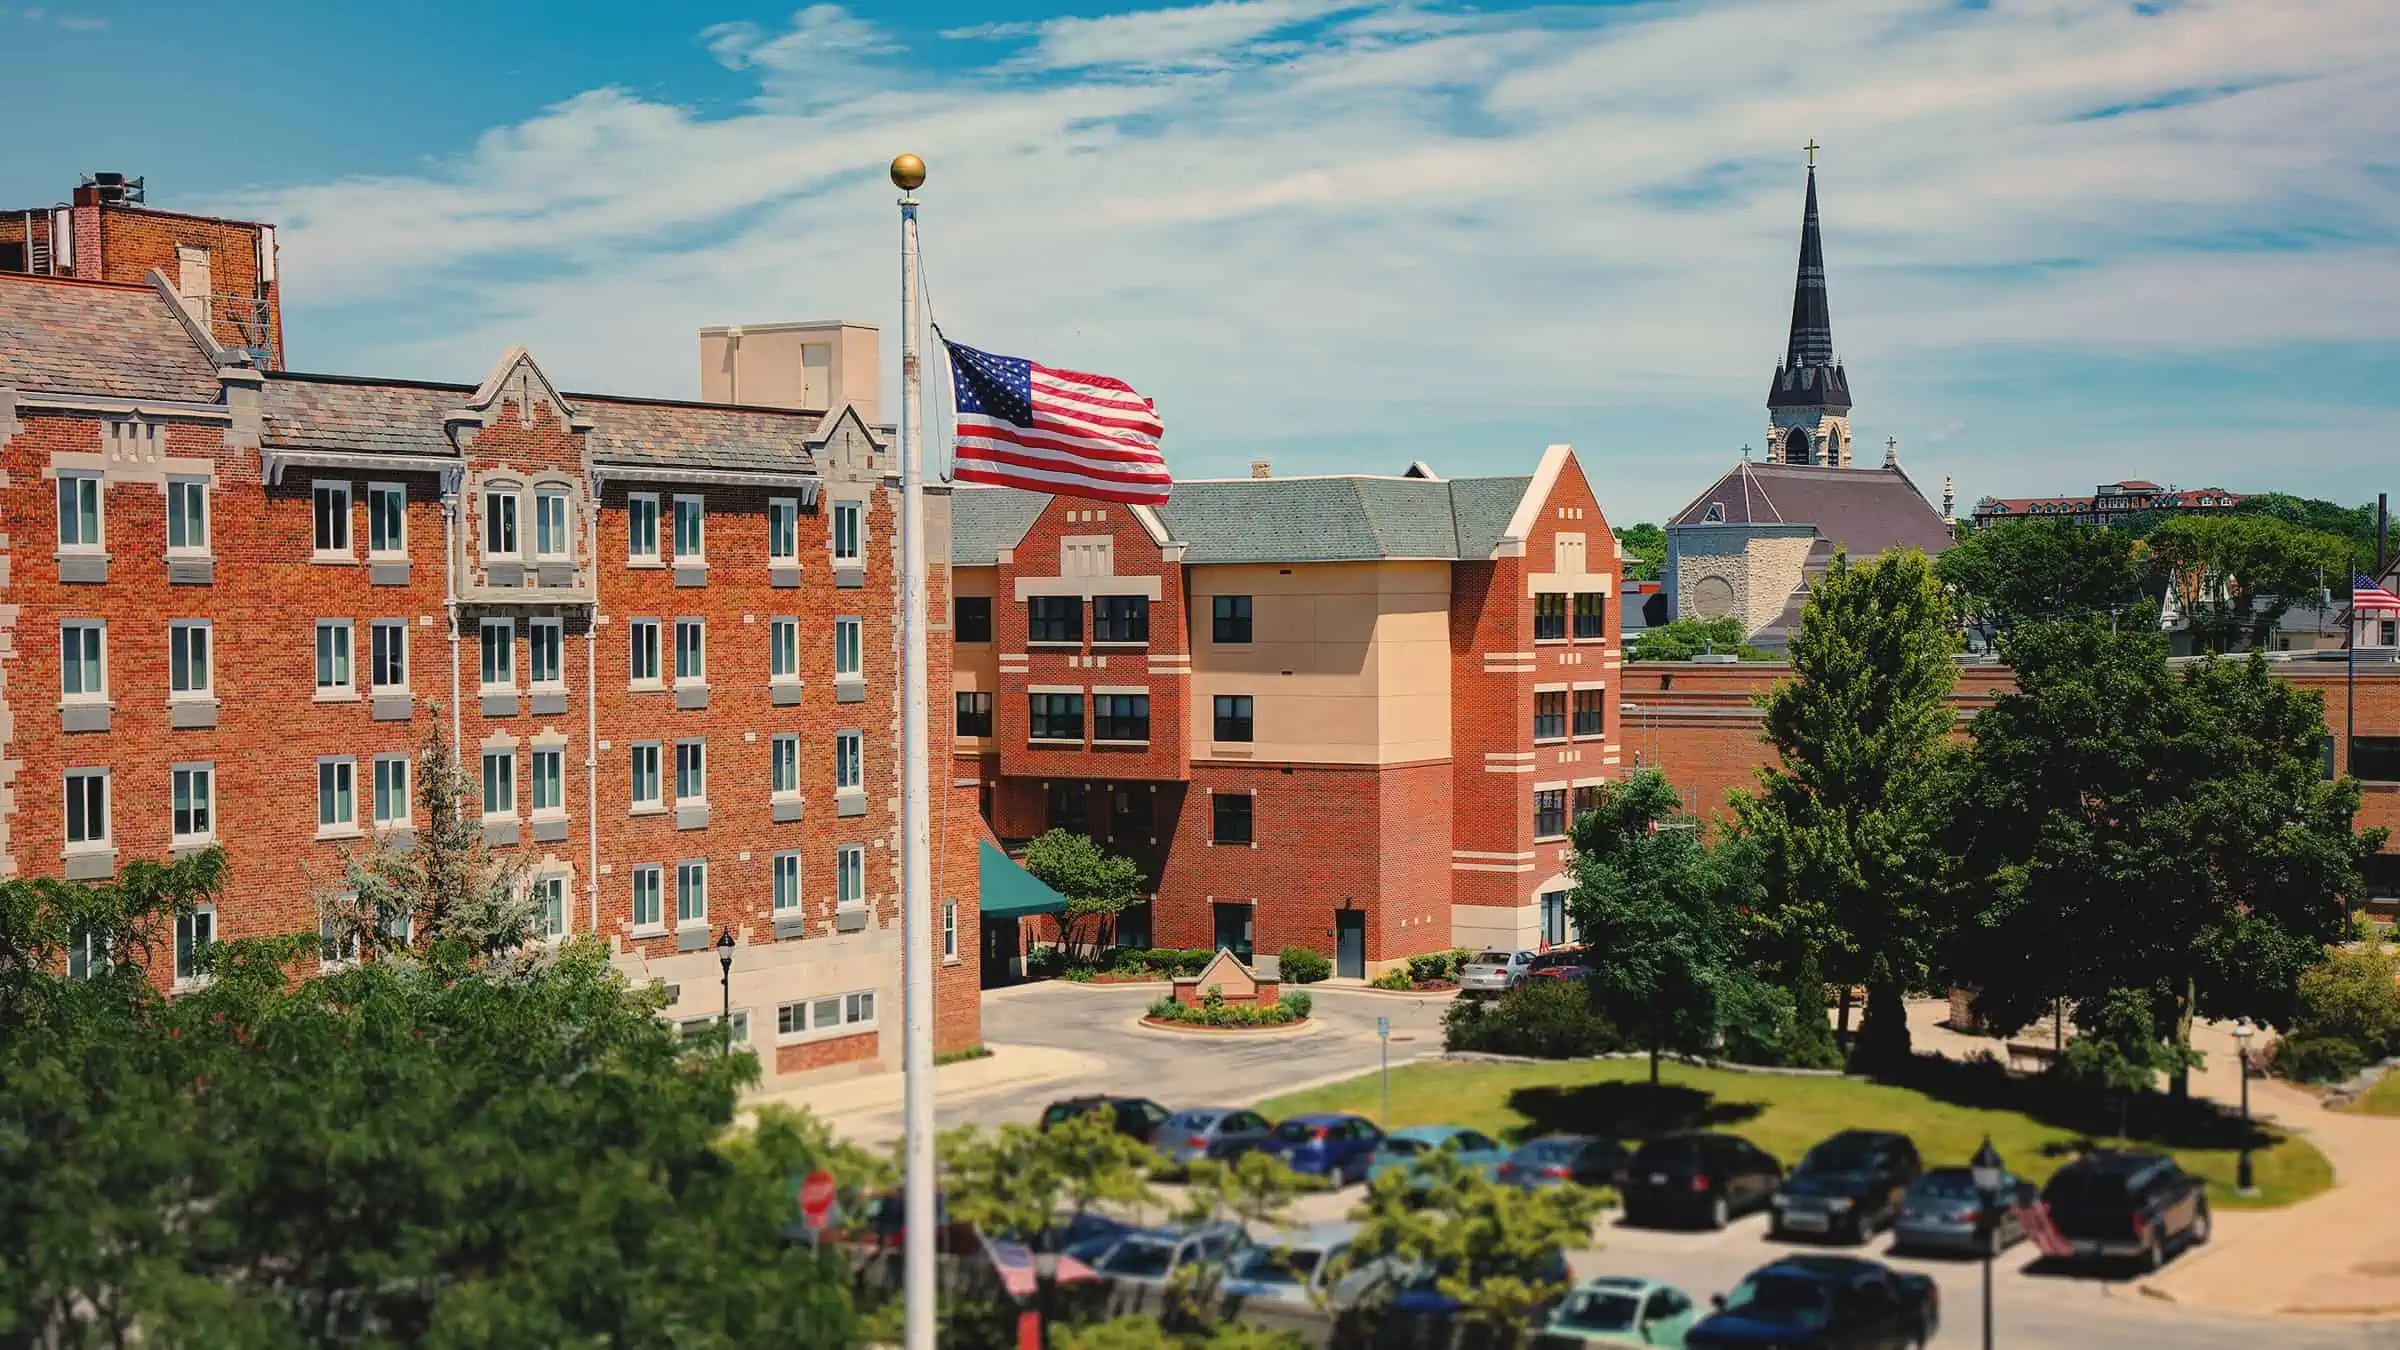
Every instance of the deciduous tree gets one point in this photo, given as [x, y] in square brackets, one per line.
[1097, 884]
[1494, 1249]
[2028, 571]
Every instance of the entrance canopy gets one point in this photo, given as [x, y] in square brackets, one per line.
[1011, 892]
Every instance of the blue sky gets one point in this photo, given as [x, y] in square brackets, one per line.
[2069, 240]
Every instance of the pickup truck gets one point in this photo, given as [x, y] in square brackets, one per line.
[1822, 1303]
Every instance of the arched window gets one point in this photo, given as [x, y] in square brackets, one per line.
[1795, 446]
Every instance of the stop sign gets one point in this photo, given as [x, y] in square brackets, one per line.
[816, 1200]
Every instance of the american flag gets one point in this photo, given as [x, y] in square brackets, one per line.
[1023, 424]
[2365, 594]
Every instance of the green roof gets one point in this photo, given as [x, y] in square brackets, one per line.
[1281, 520]
[1009, 891]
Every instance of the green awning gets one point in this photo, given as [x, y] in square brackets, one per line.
[1011, 892]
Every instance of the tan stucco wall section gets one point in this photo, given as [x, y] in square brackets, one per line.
[764, 366]
[1367, 648]
[977, 664]
[1775, 569]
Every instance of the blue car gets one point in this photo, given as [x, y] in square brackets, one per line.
[1420, 1294]
[1406, 1151]
[1340, 1148]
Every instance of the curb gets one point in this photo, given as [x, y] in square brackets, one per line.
[1289, 1031]
[1429, 995]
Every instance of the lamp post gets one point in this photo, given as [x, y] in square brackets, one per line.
[725, 980]
[1989, 1175]
[2243, 1182]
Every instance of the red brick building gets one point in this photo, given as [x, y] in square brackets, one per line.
[662, 635]
[1347, 713]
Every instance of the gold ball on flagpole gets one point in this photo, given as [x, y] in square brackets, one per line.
[908, 172]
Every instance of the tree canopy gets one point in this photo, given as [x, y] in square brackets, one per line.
[2236, 576]
[2015, 572]
[1645, 547]
[1097, 884]
[1684, 639]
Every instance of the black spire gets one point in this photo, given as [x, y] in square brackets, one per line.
[1808, 376]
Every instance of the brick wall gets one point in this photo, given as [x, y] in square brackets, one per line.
[124, 243]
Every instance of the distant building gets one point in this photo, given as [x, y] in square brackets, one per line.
[2107, 502]
[1750, 546]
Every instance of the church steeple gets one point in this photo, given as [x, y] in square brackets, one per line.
[1808, 404]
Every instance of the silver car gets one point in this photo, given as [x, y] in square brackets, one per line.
[1493, 972]
[1943, 1212]
[1217, 1133]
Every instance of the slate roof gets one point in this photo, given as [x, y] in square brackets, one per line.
[1864, 511]
[1280, 520]
[119, 341]
[322, 412]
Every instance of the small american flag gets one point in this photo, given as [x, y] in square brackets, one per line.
[1022, 424]
[2365, 594]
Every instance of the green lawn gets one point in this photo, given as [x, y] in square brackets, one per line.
[1783, 1115]
[2383, 1099]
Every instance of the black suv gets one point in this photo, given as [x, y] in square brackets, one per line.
[2111, 1205]
[1704, 1177]
[1823, 1303]
[1138, 1117]
[1847, 1187]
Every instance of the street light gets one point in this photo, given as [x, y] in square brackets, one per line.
[1989, 1174]
[2243, 1182]
[725, 978]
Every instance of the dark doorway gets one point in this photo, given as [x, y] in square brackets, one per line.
[1003, 952]
[1350, 944]
[1233, 930]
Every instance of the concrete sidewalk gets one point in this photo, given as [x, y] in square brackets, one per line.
[867, 1110]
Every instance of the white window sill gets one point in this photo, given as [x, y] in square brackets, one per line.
[647, 809]
[196, 696]
[183, 841]
[1123, 745]
[333, 559]
[87, 848]
[386, 828]
[190, 555]
[335, 696]
[191, 984]
[508, 819]
[790, 798]
[510, 558]
[953, 960]
[849, 560]
[1550, 838]
[647, 930]
[1550, 642]
[547, 813]
[1052, 740]
[382, 691]
[340, 832]
[546, 687]
[700, 563]
[1098, 645]
[487, 690]
[773, 561]
[682, 802]
[540, 558]
[788, 682]
[646, 686]
[850, 794]
[646, 564]
[686, 682]
[87, 701]
[1549, 740]
[387, 555]
[1061, 643]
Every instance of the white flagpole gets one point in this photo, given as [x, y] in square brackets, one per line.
[916, 843]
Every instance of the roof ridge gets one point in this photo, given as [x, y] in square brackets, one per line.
[91, 283]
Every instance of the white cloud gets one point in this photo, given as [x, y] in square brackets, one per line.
[1339, 227]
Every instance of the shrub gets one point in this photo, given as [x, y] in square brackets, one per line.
[1758, 1022]
[1159, 961]
[2318, 1058]
[1044, 960]
[1438, 965]
[1398, 977]
[1302, 966]
[2353, 997]
[1214, 1010]
[1546, 1019]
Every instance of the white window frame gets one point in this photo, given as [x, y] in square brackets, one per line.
[337, 776]
[507, 681]
[87, 955]
[497, 521]
[641, 518]
[506, 757]
[949, 930]
[178, 636]
[391, 549]
[82, 484]
[655, 754]
[345, 549]
[344, 650]
[643, 636]
[557, 757]
[698, 557]
[698, 627]
[195, 933]
[389, 766]
[854, 628]
[854, 514]
[698, 746]
[550, 889]
[656, 876]
[383, 633]
[203, 775]
[105, 841]
[782, 868]
[544, 498]
[850, 763]
[330, 954]
[850, 876]
[553, 632]
[71, 638]
[685, 872]
[783, 648]
[822, 1016]
[783, 530]
[185, 495]
[783, 753]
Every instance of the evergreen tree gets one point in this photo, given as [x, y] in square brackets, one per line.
[1850, 820]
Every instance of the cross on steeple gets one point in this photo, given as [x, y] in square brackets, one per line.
[1812, 152]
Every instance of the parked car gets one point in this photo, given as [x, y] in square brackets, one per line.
[1151, 1256]
[1556, 1159]
[1419, 1292]
[2127, 1205]
[1822, 1303]
[1138, 1117]
[1337, 1147]
[1943, 1212]
[1493, 972]
[1847, 1187]
[1707, 1178]
[885, 1225]
[1576, 971]
[1294, 1272]
[1214, 1133]
[1622, 1310]
[1407, 1150]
